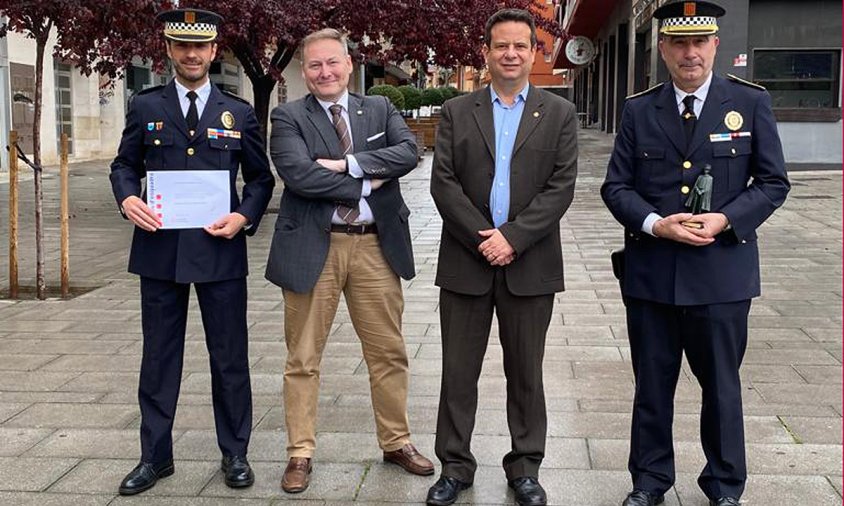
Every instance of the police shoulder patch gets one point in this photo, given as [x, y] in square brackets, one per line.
[645, 92]
[739, 80]
[232, 95]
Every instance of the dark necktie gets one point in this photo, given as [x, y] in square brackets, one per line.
[689, 118]
[347, 214]
[192, 117]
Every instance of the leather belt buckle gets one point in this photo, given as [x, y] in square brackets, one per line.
[363, 228]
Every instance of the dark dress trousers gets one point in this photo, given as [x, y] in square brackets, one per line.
[156, 138]
[384, 148]
[543, 169]
[683, 298]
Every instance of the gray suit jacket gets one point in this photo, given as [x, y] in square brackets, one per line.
[302, 133]
[543, 168]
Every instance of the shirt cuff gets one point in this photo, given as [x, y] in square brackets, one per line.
[648, 225]
[353, 167]
[366, 189]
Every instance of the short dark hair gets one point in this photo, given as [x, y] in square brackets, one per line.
[517, 15]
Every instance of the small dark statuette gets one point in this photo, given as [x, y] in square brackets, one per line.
[700, 198]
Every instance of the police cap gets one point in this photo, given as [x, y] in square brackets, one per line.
[681, 18]
[190, 25]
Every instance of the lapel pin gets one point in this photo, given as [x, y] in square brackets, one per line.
[360, 113]
[535, 114]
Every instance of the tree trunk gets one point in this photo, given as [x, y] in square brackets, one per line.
[40, 287]
[262, 89]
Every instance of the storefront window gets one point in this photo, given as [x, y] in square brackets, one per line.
[798, 78]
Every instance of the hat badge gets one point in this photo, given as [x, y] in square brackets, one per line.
[733, 120]
[689, 9]
[190, 17]
[228, 119]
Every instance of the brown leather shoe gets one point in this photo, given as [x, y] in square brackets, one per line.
[297, 475]
[410, 460]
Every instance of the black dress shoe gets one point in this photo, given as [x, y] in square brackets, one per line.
[528, 491]
[144, 477]
[238, 472]
[445, 490]
[642, 498]
[724, 501]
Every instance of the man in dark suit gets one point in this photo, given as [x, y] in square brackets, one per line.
[503, 176]
[342, 228]
[187, 125]
[688, 278]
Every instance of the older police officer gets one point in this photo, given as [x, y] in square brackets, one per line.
[687, 279]
[189, 124]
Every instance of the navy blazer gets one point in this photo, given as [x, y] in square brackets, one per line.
[646, 174]
[156, 138]
[384, 147]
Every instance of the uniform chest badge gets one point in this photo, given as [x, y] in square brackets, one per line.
[733, 120]
[228, 119]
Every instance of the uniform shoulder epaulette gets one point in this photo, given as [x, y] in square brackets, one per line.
[232, 95]
[150, 90]
[739, 80]
[642, 93]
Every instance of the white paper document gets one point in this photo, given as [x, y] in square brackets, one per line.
[188, 198]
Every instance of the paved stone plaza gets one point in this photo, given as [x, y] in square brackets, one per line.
[69, 369]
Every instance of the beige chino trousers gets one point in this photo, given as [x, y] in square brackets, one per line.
[355, 267]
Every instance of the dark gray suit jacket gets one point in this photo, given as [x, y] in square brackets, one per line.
[543, 169]
[384, 148]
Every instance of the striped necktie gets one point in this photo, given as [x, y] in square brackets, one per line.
[346, 213]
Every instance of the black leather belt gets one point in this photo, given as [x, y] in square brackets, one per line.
[367, 228]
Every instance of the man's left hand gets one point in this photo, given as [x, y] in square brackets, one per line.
[338, 166]
[496, 249]
[712, 224]
[228, 226]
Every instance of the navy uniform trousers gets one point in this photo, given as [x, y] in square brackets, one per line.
[714, 338]
[164, 307]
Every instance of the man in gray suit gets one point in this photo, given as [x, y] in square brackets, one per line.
[342, 227]
[503, 175]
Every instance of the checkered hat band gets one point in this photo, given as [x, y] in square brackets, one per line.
[695, 22]
[190, 29]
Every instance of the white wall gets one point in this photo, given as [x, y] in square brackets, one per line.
[811, 142]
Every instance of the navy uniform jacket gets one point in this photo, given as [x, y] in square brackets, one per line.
[156, 138]
[646, 174]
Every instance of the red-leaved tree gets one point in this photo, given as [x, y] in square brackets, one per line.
[264, 34]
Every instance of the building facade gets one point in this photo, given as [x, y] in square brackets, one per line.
[791, 48]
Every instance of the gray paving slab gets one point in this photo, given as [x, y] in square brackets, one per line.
[68, 388]
[48, 499]
[24, 474]
[15, 441]
[102, 476]
[88, 444]
[51, 415]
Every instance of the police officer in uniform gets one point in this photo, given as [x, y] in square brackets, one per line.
[687, 279]
[190, 124]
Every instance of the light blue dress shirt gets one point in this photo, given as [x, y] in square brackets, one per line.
[506, 119]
